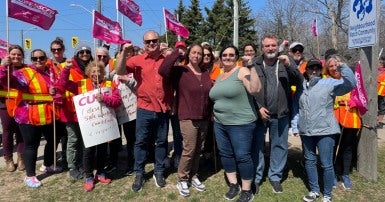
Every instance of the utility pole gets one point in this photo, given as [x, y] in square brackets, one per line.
[367, 146]
[236, 23]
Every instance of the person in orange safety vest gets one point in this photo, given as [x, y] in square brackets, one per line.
[381, 91]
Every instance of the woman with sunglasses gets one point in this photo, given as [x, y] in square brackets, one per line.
[34, 112]
[316, 122]
[75, 146]
[235, 119]
[14, 60]
[57, 62]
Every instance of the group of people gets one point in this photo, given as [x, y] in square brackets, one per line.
[232, 98]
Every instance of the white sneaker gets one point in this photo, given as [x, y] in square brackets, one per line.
[327, 199]
[197, 184]
[183, 188]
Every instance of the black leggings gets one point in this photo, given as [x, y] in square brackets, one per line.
[31, 136]
[96, 153]
[346, 151]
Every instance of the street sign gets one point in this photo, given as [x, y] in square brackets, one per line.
[363, 23]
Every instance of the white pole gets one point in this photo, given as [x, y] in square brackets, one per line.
[236, 21]
[165, 26]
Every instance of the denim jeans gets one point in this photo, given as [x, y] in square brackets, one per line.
[234, 145]
[278, 133]
[325, 146]
[150, 123]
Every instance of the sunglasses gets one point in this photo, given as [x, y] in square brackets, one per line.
[231, 55]
[102, 56]
[295, 49]
[56, 49]
[85, 52]
[207, 55]
[151, 40]
[41, 58]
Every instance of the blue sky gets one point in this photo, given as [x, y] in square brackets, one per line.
[75, 21]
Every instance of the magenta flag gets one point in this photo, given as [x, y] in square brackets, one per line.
[131, 10]
[3, 48]
[174, 25]
[106, 29]
[32, 12]
[314, 27]
[358, 97]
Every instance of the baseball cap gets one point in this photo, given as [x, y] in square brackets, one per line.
[294, 44]
[314, 62]
[180, 44]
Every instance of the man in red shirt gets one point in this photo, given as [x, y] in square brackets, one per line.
[154, 101]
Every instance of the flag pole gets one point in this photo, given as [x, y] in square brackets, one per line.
[165, 26]
[318, 53]
[53, 118]
[7, 31]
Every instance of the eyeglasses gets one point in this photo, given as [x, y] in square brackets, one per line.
[207, 55]
[231, 55]
[295, 49]
[41, 58]
[56, 49]
[85, 52]
[102, 56]
[151, 40]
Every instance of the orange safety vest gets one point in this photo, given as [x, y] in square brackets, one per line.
[215, 72]
[346, 116]
[381, 84]
[302, 69]
[112, 64]
[68, 102]
[39, 110]
[86, 85]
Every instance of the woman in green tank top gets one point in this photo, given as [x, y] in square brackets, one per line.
[235, 118]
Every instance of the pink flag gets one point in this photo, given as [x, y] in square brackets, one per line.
[174, 25]
[314, 27]
[106, 29]
[3, 48]
[358, 97]
[130, 9]
[31, 12]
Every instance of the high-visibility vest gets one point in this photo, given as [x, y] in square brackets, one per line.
[112, 64]
[68, 102]
[40, 105]
[215, 72]
[381, 84]
[86, 85]
[302, 69]
[346, 116]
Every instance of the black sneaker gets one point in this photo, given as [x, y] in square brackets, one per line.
[74, 174]
[233, 192]
[159, 180]
[277, 187]
[138, 183]
[245, 196]
[110, 169]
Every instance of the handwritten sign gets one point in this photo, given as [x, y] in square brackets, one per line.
[97, 122]
[127, 111]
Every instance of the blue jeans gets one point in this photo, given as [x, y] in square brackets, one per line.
[234, 145]
[150, 123]
[278, 133]
[325, 146]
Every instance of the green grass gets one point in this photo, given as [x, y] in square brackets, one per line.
[59, 188]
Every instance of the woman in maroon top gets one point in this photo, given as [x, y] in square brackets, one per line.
[192, 83]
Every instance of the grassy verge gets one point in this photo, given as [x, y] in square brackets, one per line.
[59, 188]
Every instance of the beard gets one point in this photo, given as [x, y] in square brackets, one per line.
[271, 55]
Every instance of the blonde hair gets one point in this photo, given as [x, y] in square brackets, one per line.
[325, 70]
[100, 65]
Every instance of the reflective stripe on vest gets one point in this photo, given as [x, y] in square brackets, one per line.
[86, 85]
[39, 113]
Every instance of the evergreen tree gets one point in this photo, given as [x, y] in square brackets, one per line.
[218, 26]
[192, 19]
